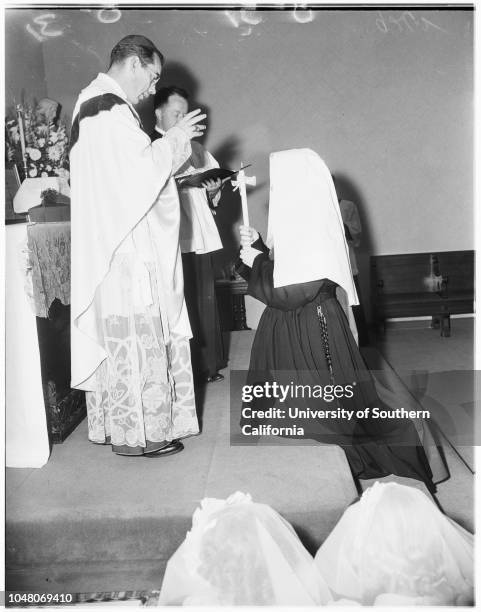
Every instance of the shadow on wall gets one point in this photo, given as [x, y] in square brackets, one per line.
[227, 154]
[230, 152]
[177, 74]
[229, 209]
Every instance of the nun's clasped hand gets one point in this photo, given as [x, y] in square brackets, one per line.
[248, 254]
[248, 235]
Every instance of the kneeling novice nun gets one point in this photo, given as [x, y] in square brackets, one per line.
[303, 340]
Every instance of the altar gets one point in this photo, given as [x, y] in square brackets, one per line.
[26, 434]
[49, 260]
[41, 408]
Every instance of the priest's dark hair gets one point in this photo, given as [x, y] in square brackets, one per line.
[135, 44]
[163, 94]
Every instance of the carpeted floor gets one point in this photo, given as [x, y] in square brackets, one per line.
[93, 521]
[439, 372]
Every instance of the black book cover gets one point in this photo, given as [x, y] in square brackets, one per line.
[196, 179]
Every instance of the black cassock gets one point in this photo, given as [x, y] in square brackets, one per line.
[303, 337]
[207, 346]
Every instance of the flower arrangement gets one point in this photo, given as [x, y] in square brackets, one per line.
[36, 140]
[49, 197]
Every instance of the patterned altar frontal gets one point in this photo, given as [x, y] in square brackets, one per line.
[48, 264]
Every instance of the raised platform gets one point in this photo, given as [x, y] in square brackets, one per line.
[93, 521]
[90, 520]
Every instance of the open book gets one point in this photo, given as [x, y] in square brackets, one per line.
[196, 178]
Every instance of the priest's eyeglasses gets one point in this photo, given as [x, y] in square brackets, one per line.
[155, 76]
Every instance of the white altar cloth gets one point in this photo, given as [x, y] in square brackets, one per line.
[26, 426]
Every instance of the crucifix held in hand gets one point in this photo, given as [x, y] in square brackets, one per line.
[240, 184]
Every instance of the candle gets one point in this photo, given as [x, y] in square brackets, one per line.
[22, 137]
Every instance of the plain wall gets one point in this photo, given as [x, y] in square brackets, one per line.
[24, 65]
[385, 97]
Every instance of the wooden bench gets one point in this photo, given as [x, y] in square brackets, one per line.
[418, 284]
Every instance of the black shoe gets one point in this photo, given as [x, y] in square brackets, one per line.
[217, 376]
[170, 449]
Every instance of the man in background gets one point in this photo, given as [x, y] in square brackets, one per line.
[199, 238]
[353, 231]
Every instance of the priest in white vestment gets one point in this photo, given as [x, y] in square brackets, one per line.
[130, 329]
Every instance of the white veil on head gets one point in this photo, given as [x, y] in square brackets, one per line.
[396, 547]
[305, 226]
[241, 553]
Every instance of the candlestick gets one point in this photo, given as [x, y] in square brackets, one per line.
[22, 138]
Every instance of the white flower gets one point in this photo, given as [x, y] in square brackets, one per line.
[34, 154]
[44, 174]
[53, 137]
[49, 167]
[42, 129]
[62, 173]
[41, 142]
[54, 153]
[32, 172]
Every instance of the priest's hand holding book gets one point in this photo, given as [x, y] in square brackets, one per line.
[212, 186]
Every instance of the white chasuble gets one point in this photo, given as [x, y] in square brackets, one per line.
[198, 230]
[129, 322]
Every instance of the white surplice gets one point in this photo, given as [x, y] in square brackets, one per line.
[198, 231]
[130, 328]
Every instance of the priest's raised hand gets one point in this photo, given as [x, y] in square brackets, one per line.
[190, 123]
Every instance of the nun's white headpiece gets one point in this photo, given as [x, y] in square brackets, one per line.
[305, 226]
[239, 552]
[395, 547]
